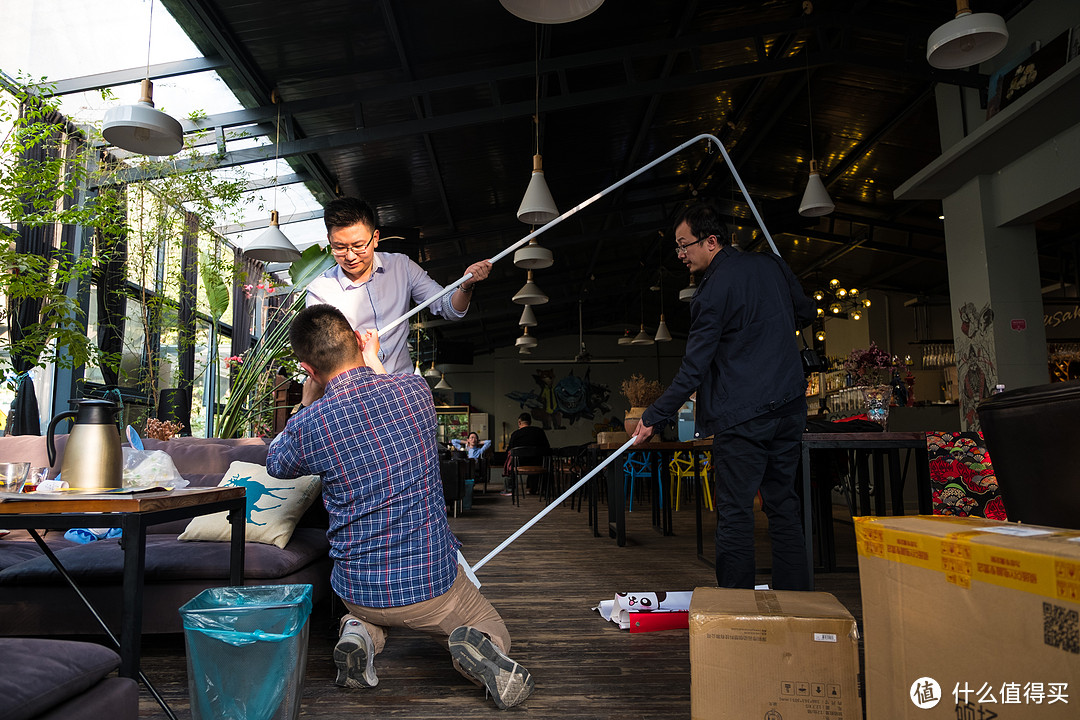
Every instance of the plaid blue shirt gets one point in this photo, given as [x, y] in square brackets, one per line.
[372, 439]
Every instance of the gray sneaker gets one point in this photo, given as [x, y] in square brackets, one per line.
[506, 681]
[354, 656]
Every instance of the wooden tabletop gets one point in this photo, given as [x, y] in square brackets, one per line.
[27, 504]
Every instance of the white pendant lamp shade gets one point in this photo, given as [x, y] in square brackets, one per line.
[530, 294]
[417, 370]
[551, 12]
[642, 338]
[966, 40]
[442, 384]
[528, 317]
[524, 350]
[815, 200]
[533, 257]
[431, 373]
[537, 207]
[626, 338]
[142, 129]
[687, 293]
[662, 333]
[526, 340]
[272, 245]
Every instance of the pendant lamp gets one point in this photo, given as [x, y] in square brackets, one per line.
[642, 338]
[626, 338]
[662, 333]
[528, 317]
[530, 294]
[272, 245]
[526, 340]
[687, 293]
[968, 39]
[141, 128]
[537, 207]
[431, 373]
[416, 371]
[443, 385]
[815, 200]
[533, 256]
[551, 12]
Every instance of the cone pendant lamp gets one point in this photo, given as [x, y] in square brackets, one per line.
[551, 12]
[537, 207]
[815, 200]
[272, 245]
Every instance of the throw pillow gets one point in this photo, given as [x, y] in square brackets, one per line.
[274, 506]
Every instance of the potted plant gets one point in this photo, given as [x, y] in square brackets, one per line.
[871, 370]
[641, 393]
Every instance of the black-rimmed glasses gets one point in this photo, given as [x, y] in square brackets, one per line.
[680, 250]
[354, 249]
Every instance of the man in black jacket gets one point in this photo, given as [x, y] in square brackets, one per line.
[742, 358]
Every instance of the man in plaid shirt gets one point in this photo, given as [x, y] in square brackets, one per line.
[371, 437]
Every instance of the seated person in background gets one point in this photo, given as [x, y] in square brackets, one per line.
[472, 446]
[528, 436]
[372, 438]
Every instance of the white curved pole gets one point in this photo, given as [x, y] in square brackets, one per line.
[581, 206]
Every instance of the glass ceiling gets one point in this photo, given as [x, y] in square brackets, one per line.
[56, 40]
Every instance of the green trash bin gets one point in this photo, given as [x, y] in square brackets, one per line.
[247, 651]
[466, 502]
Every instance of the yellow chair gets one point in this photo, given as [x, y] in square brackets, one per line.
[681, 467]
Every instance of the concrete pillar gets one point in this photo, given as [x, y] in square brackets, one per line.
[996, 298]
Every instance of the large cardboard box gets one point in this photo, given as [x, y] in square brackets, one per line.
[772, 655]
[969, 618]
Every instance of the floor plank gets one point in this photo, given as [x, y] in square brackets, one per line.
[545, 585]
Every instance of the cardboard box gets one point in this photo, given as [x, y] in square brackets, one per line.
[967, 617]
[767, 655]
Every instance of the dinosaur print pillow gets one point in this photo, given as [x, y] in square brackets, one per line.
[273, 506]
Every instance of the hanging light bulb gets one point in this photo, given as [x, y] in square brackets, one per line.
[841, 293]
[820, 336]
[836, 308]
[141, 128]
[856, 315]
[530, 293]
[442, 384]
[834, 283]
[819, 294]
[528, 317]
[272, 245]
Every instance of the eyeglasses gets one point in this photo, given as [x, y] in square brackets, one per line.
[354, 249]
[680, 250]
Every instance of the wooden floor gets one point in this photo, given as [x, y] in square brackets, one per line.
[545, 585]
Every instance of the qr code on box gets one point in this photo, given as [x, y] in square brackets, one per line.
[1061, 627]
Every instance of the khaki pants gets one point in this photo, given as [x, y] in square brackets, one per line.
[461, 605]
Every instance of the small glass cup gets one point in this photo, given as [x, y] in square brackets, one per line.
[34, 478]
[13, 476]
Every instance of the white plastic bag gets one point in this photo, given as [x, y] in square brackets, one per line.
[149, 468]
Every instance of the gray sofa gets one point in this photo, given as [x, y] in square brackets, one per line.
[35, 600]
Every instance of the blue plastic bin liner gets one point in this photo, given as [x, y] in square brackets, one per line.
[247, 651]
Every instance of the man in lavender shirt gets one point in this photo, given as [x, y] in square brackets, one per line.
[373, 289]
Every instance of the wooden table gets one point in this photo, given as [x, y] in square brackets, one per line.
[132, 513]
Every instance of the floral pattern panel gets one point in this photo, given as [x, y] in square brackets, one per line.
[962, 477]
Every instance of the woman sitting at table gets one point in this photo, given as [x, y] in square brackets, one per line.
[472, 446]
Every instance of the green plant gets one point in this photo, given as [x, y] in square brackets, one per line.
[641, 392]
[254, 380]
